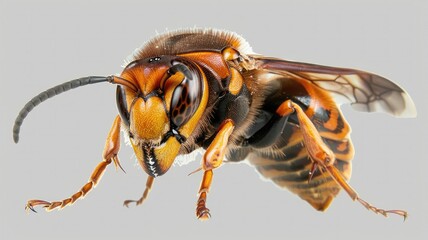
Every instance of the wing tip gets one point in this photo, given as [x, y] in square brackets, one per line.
[400, 106]
[409, 111]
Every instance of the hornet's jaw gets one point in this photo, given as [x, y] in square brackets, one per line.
[151, 165]
[156, 159]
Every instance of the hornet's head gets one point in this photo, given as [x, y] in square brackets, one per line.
[160, 108]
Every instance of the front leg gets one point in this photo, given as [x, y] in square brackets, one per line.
[111, 149]
[213, 158]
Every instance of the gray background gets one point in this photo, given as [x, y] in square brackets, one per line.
[44, 43]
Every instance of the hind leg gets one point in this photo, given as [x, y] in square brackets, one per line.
[323, 157]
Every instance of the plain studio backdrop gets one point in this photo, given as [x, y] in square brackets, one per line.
[44, 43]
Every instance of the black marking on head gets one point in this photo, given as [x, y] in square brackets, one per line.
[173, 132]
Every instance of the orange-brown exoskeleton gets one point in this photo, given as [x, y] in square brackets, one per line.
[199, 88]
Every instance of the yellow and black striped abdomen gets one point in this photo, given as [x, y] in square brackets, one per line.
[286, 162]
[288, 166]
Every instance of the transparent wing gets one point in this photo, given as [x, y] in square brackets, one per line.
[364, 91]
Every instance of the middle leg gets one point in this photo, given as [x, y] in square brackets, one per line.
[213, 158]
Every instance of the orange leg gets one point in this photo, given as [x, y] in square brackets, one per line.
[323, 157]
[317, 149]
[149, 185]
[111, 149]
[202, 212]
[213, 158]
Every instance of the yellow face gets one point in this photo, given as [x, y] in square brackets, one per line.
[163, 111]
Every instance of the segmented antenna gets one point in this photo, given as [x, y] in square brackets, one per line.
[51, 92]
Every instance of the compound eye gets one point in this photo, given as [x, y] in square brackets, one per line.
[187, 95]
[122, 106]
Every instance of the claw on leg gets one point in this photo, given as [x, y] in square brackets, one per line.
[382, 211]
[32, 203]
[149, 185]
